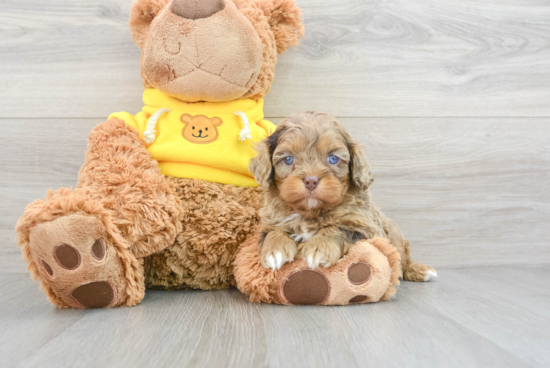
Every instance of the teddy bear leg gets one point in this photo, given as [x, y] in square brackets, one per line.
[368, 273]
[86, 245]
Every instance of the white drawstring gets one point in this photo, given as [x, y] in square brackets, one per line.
[245, 132]
[149, 134]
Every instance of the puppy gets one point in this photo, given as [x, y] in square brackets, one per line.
[317, 202]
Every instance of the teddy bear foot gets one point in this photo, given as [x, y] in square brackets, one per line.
[312, 287]
[364, 275]
[367, 274]
[77, 262]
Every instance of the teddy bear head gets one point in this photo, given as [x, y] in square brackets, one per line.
[213, 50]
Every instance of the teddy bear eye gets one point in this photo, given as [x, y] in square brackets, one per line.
[205, 128]
[333, 159]
[193, 128]
[288, 160]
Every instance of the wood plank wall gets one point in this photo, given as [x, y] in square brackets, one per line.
[450, 97]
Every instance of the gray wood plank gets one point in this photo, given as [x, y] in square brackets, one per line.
[65, 58]
[27, 319]
[464, 319]
[465, 191]
[514, 316]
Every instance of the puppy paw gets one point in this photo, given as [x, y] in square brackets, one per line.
[276, 251]
[318, 253]
[430, 275]
[419, 272]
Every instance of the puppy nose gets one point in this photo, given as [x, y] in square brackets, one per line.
[196, 9]
[311, 182]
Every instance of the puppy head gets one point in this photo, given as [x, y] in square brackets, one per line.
[311, 162]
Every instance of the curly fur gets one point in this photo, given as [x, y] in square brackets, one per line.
[217, 220]
[327, 220]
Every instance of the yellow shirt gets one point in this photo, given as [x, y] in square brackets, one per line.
[202, 140]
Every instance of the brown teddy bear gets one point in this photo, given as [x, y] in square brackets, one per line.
[127, 225]
[160, 204]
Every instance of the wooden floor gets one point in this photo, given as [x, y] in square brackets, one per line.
[452, 101]
[473, 317]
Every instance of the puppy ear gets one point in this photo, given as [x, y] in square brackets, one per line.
[285, 21]
[186, 118]
[141, 15]
[359, 168]
[262, 165]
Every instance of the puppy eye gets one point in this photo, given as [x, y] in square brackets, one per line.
[288, 160]
[333, 159]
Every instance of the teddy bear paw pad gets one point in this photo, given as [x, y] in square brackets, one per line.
[306, 287]
[358, 299]
[47, 268]
[67, 256]
[97, 294]
[359, 273]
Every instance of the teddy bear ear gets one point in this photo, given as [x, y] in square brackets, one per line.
[141, 15]
[285, 19]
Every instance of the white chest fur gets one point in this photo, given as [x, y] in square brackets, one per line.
[303, 230]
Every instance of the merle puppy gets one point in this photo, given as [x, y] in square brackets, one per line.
[317, 201]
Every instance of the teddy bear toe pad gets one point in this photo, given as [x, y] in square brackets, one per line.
[97, 294]
[359, 273]
[67, 256]
[306, 287]
[75, 261]
[358, 299]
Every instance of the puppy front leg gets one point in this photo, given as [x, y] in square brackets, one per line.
[277, 249]
[324, 248]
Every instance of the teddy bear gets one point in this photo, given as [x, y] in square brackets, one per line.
[165, 199]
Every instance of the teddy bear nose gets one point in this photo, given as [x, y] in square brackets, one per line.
[196, 9]
[311, 182]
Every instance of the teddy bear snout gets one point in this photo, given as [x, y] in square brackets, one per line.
[197, 9]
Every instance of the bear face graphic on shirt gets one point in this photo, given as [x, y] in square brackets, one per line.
[200, 129]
